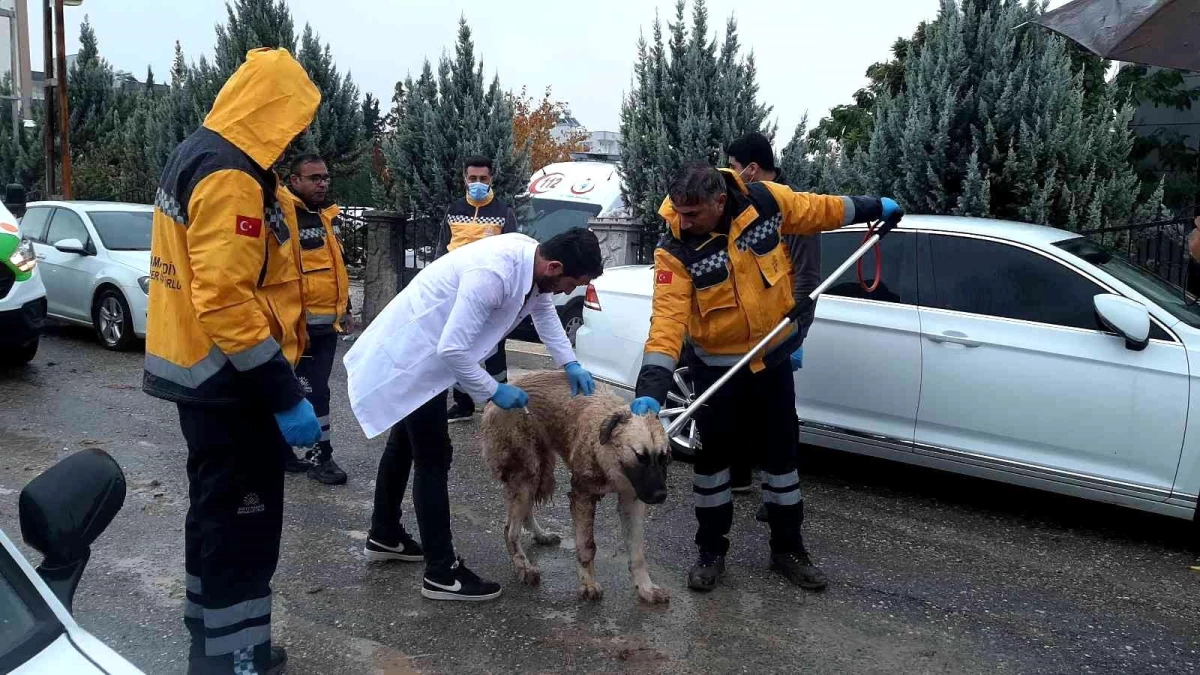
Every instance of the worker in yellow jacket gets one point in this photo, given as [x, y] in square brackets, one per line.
[225, 330]
[326, 300]
[722, 282]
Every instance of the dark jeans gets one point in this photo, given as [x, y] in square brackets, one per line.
[232, 530]
[314, 370]
[496, 365]
[755, 411]
[421, 440]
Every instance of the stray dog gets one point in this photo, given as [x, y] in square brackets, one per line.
[606, 448]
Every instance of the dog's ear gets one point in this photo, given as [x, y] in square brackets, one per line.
[609, 427]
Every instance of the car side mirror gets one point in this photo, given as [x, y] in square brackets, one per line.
[71, 246]
[1124, 317]
[64, 510]
[14, 199]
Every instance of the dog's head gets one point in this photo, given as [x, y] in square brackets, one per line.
[642, 451]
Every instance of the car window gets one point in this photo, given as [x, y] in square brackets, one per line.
[27, 625]
[1001, 280]
[123, 230]
[899, 283]
[66, 224]
[34, 222]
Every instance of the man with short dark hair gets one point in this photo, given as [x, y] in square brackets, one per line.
[306, 206]
[752, 157]
[433, 334]
[476, 215]
[721, 284]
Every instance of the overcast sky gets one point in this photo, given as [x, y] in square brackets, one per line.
[811, 53]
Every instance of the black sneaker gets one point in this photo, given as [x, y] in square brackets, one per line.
[293, 464]
[707, 571]
[799, 569]
[407, 550]
[327, 472]
[459, 584]
[460, 413]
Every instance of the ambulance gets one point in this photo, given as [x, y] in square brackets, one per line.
[562, 196]
[22, 295]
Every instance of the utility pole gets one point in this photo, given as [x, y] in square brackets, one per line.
[64, 114]
[48, 92]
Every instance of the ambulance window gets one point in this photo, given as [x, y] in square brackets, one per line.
[899, 283]
[33, 223]
[545, 218]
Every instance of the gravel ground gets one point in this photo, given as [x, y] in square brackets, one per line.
[929, 572]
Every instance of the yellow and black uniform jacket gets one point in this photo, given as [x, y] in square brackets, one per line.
[724, 291]
[226, 313]
[468, 220]
[326, 285]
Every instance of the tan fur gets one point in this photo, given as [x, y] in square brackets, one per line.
[521, 450]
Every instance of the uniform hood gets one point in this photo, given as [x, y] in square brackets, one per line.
[265, 104]
[733, 182]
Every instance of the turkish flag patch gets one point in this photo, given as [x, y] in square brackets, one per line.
[664, 277]
[249, 227]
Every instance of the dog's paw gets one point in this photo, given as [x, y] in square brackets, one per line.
[547, 539]
[591, 591]
[530, 576]
[654, 595]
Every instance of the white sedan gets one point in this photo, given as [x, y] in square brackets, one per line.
[1007, 351]
[95, 263]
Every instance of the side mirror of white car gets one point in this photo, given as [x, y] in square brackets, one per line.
[1126, 318]
[71, 246]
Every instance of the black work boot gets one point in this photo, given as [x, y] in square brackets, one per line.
[707, 571]
[294, 464]
[322, 467]
[462, 410]
[277, 663]
[798, 569]
[762, 515]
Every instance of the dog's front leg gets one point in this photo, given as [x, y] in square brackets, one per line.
[583, 514]
[633, 523]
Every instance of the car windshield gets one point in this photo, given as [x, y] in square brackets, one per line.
[123, 230]
[27, 625]
[1181, 304]
[548, 217]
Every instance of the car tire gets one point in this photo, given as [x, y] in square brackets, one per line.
[572, 320]
[20, 356]
[112, 321]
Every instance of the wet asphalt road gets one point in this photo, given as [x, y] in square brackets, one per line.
[930, 573]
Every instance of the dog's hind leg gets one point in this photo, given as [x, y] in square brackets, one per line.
[633, 523]
[540, 536]
[520, 508]
[583, 514]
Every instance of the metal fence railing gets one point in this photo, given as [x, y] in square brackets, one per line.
[1159, 247]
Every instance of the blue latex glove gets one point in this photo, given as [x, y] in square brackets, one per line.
[798, 359]
[644, 405]
[299, 425]
[509, 397]
[889, 207]
[581, 380]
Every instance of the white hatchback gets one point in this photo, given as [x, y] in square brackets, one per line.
[1002, 350]
[95, 263]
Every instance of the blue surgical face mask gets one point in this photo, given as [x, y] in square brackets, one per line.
[478, 191]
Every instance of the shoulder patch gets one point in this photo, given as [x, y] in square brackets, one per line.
[664, 277]
[249, 227]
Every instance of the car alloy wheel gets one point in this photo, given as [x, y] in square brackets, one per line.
[572, 323]
[685, 443]
[113, 323]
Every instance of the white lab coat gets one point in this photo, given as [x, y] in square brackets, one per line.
[442, 326]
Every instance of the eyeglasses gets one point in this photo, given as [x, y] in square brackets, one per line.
[317, 177]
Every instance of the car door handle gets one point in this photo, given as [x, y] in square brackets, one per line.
[40, 257]
[953, 337]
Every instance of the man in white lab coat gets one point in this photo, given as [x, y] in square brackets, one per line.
[436, 332]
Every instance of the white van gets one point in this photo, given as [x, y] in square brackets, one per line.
[562, 196]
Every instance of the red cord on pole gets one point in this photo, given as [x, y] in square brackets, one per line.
[878, 263]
